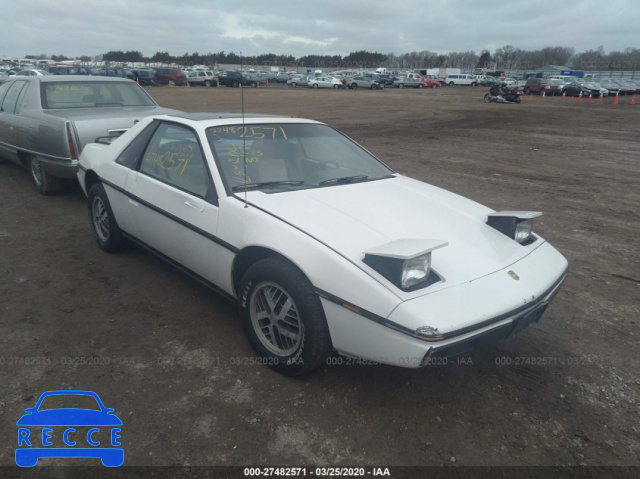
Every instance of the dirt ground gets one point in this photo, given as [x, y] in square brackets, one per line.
[166, 353]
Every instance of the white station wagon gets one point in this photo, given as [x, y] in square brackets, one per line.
[323, 247]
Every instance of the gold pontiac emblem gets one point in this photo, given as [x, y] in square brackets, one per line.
[513, 275]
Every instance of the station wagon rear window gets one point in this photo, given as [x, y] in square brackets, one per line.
[65, 95]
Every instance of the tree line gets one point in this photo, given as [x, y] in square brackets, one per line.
[505, 58]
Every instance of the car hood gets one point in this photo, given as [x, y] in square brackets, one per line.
[355, 218]
[69, 417]
[91, 123]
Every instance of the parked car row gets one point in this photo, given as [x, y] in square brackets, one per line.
[573, 86]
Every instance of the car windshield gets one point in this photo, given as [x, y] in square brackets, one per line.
[285, 156]
[62, 95]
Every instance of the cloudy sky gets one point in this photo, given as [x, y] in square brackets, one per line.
[306, 27]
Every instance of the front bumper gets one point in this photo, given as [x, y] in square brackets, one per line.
[452, 321]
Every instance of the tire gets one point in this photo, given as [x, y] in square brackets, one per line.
[487, 98]
[253, 84]
[336, 86]
[451, 83]
[434, 86]
[172, 82]
[374, 86]
[45, 183]
[103, 224]
[293, 84]
[527, 91]
[517, 100]
[207, 83]
[302, 343]
[234, 84]
[315, 85]
[354, 86]
[401, 85]
[420, 85]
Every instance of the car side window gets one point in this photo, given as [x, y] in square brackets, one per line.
[11, 99]
[132, 154]
[174, 156]
[3, 89]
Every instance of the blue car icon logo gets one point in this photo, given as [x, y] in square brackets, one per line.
[69, 432]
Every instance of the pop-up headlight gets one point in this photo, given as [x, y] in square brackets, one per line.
[517, 225]
[406, 263]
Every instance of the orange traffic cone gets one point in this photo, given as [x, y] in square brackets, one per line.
[572, 100]
[564, 96]
[530, 96]
[267, 84]
[590, 99]
[633, 100]
[615, 100]
[544, 95]
[170, 84]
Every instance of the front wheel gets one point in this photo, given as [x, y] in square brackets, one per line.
[451, 83]
[103, 224]
[434, 85]
[401, 85]
[293, 84]
[487, 98]
[315, 85]
[420, 85]
[207, 83]
[336, 86]
[283, 318]
[45, 183]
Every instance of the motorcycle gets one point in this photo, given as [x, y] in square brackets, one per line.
[498, 95]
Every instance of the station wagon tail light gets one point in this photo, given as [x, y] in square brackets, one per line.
[517, 225]
[406, 262]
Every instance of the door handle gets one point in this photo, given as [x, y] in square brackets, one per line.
[196, 206]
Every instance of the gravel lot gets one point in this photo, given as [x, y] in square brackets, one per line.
[171, 357]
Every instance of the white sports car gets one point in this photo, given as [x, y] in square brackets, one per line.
[321, 244]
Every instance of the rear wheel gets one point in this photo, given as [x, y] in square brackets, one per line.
[283, 318]
[315, 85]
[354, 86]
[45, 183]
[374, 86]
[103, 224]
[207, 83]
[420, 85]
[336, 86]
[435, 85]
[401, 85]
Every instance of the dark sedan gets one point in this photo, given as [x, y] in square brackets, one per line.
[612, 87]
[574, 89]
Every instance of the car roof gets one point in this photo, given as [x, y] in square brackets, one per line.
[208, 119]
[79, 78]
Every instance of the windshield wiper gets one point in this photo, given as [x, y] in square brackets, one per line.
[344, 180]
[267, 184]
